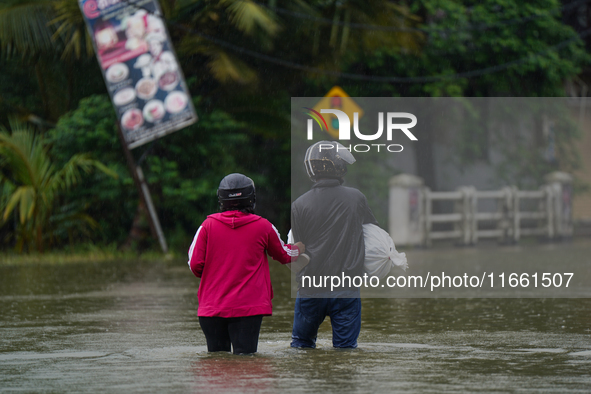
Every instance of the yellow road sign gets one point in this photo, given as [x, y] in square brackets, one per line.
[336, 98]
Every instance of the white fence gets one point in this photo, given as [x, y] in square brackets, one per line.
[464, 216]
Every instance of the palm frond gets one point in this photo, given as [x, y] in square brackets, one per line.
[70, 221]
[225, 68]
[24, 27]
[70, 27]
[248, 15]
[69, 174]
[31, 182]
[24, 198]
[192, 45]
[17, 149]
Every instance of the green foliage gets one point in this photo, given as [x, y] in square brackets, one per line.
[48, 37]
[183, 170]
[465, 36]
[33, 28]
[32, 186]
[243, 101]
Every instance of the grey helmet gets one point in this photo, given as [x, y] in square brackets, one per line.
[236, 191]
[327, 159]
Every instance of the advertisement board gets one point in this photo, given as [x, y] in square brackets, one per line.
[140, 69]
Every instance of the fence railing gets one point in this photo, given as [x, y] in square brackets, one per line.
[517, 213]
[467, 215]
[458, 219]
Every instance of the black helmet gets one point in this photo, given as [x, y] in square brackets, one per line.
[236, 191]
[327, 159]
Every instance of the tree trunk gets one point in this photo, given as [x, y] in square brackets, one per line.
[140, 229]
[42, 89]
[70, 84]
[39, 237]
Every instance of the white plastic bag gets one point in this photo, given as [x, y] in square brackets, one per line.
[380, 253]
[301, 262]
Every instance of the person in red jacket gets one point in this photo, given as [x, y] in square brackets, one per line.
[229, 254]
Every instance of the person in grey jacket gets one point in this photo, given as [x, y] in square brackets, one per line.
[328, 219]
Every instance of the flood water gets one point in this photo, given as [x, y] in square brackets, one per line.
[132, 327]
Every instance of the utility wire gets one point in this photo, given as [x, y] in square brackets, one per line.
[476, 27]
[370, 78]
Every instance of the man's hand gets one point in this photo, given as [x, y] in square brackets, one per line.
[301, 247]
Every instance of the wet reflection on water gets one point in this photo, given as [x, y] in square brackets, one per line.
[226, 373]
[132, 327]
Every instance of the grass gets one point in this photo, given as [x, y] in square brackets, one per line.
[88, 253]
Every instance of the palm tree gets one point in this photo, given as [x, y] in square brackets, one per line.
[32, 185]
[312, 33]
[240, 22]
[45, 33]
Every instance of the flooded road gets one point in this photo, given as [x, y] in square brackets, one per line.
[132, 327]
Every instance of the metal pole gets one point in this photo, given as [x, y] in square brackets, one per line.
[151, 210]
[138, 178]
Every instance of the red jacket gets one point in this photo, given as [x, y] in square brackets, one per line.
[229, 254]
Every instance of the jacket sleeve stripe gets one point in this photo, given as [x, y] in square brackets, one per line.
[193, 245]
[288, 250]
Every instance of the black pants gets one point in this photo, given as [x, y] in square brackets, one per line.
[240, 332]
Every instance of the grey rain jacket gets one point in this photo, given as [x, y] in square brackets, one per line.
[328, 219]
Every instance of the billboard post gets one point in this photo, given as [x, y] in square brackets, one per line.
[143, 78]
[140, 182]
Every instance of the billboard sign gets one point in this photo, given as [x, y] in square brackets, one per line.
[140, 68]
